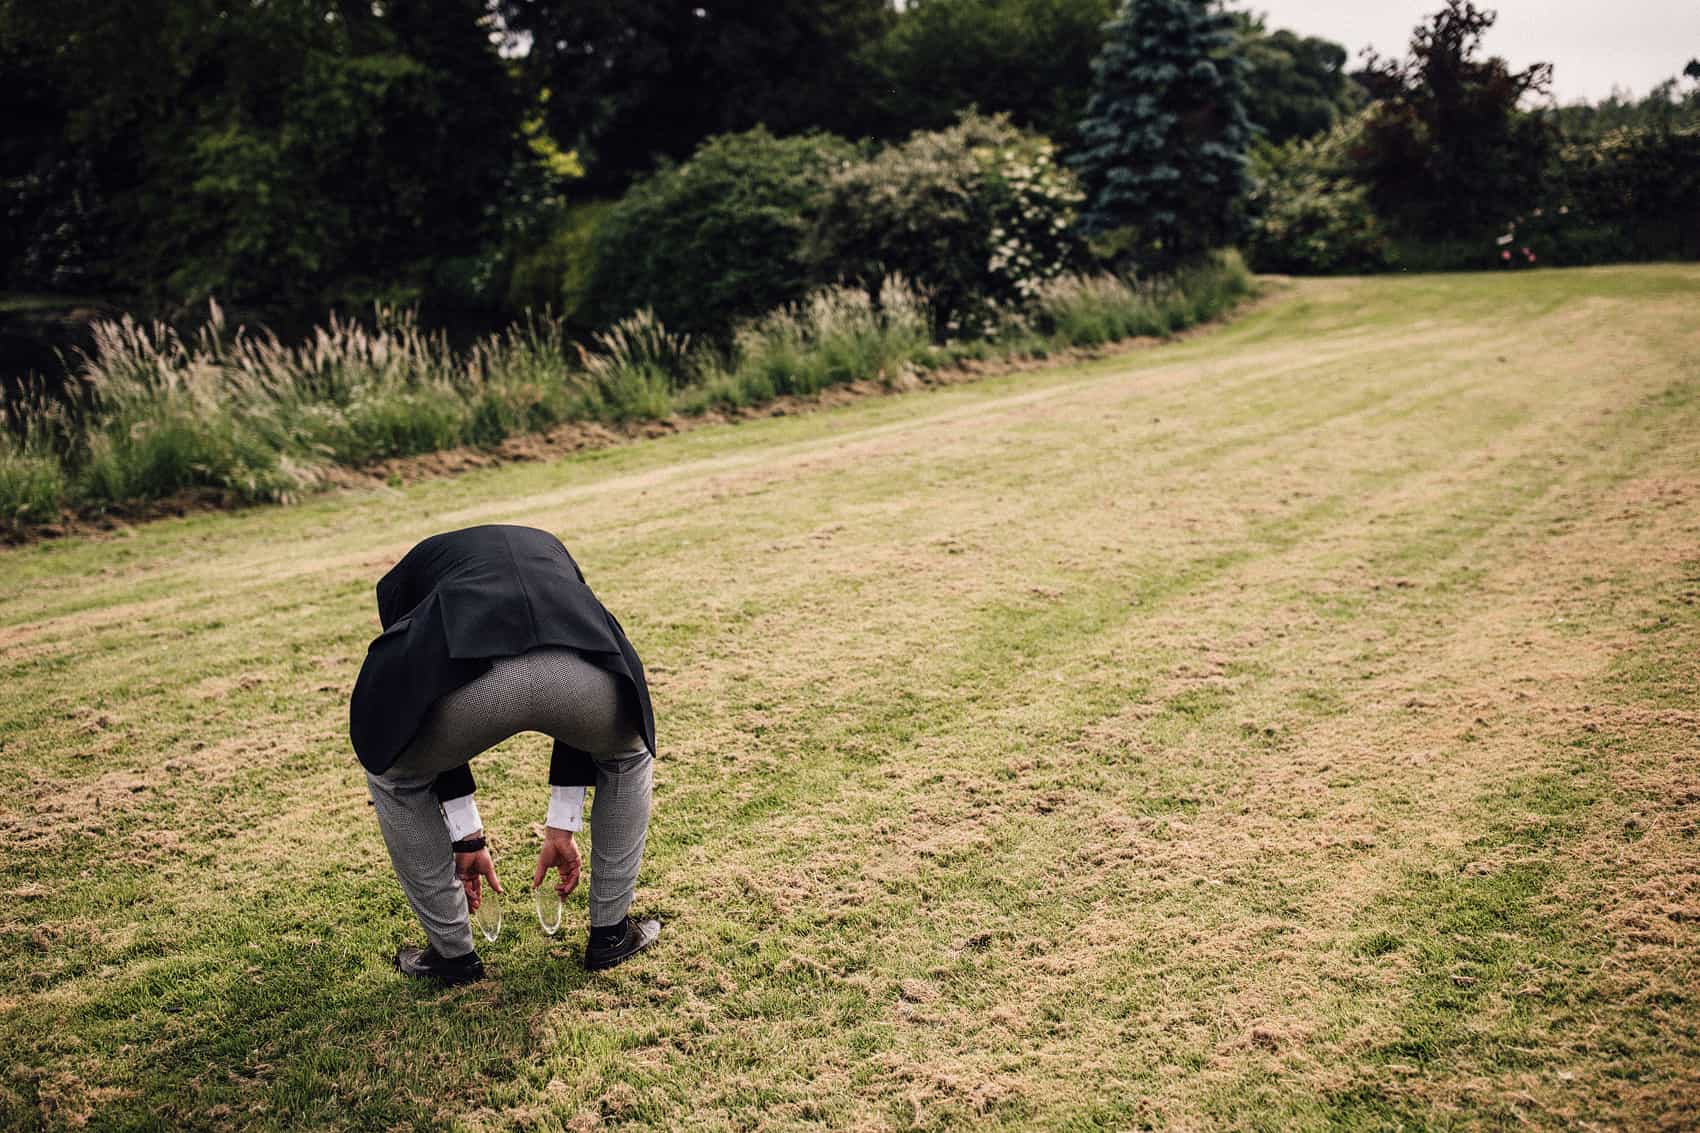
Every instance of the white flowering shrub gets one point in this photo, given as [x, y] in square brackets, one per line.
[978, 215]
[1035, 204]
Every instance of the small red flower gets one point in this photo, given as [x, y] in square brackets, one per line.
[1505, 255]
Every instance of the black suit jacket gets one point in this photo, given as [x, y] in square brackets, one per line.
[452, 605]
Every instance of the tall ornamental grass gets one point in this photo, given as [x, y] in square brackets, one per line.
[632, 369]
[245, 414]
[1091, 310]
[169, 413]
[32, 478]
[240, 414]
[833, 336]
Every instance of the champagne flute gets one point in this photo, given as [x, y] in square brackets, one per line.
[488, 915]
[548, 904]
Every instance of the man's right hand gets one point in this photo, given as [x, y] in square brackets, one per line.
[559, 853]
[470, 868]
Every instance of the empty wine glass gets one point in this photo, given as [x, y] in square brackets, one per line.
[548, 903]
[488, 915]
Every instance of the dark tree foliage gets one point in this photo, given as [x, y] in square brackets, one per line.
[282, 155]
[1445, 149]
[635, 81]
[1162, 146]
[46, 191]
[1297, 86]
[1030, 59]
[78, 125]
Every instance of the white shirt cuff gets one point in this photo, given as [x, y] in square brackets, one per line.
[462, 816]
[566, 808]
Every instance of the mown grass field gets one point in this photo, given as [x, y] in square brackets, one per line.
[1295, 727]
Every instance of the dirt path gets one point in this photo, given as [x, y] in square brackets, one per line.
[1292, 728]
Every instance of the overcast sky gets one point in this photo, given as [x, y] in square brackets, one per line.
[1592, 44]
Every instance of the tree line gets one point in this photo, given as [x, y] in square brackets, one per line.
[295, 156]
[299, 154]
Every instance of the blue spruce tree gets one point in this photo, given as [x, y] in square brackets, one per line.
[1162, 146]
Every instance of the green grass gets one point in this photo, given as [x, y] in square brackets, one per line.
[1287, 728]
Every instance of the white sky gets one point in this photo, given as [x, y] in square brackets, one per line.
[1592, 44]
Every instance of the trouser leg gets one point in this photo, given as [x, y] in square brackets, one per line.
[550, 690]
[619, 823]
[418, 841]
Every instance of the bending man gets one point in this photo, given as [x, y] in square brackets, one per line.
[488, 632]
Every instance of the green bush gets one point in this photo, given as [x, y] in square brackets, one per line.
[718, 238]
[252, 419]
[978, 216]
[245, 414]
[1308, 216]
[719, 389]
[1205, 290]
[617, 392]
[35, 432]
[1627, 195]
[174, 448]
[518, 381]
[397, 422]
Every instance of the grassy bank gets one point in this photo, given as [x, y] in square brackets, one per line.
[246, 416]
[1291, 728]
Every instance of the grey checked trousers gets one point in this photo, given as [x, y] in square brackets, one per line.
[553, 691]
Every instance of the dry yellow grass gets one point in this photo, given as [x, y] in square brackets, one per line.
[1290, 728]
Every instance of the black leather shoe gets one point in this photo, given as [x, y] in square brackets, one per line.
[638, 935]
[426, 964]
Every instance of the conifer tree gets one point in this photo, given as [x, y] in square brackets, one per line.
[1162, 146]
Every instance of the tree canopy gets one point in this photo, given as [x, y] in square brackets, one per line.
[1297, 86]
[1446, 150]
[1029, 59]
[633, 82]
[291, 153]
[1162, 146]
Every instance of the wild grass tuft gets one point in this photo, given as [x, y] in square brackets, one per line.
[834, 336]
[633, 368]
[32, 483]
[241, 412]
[35, 432]
[1091, 310]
